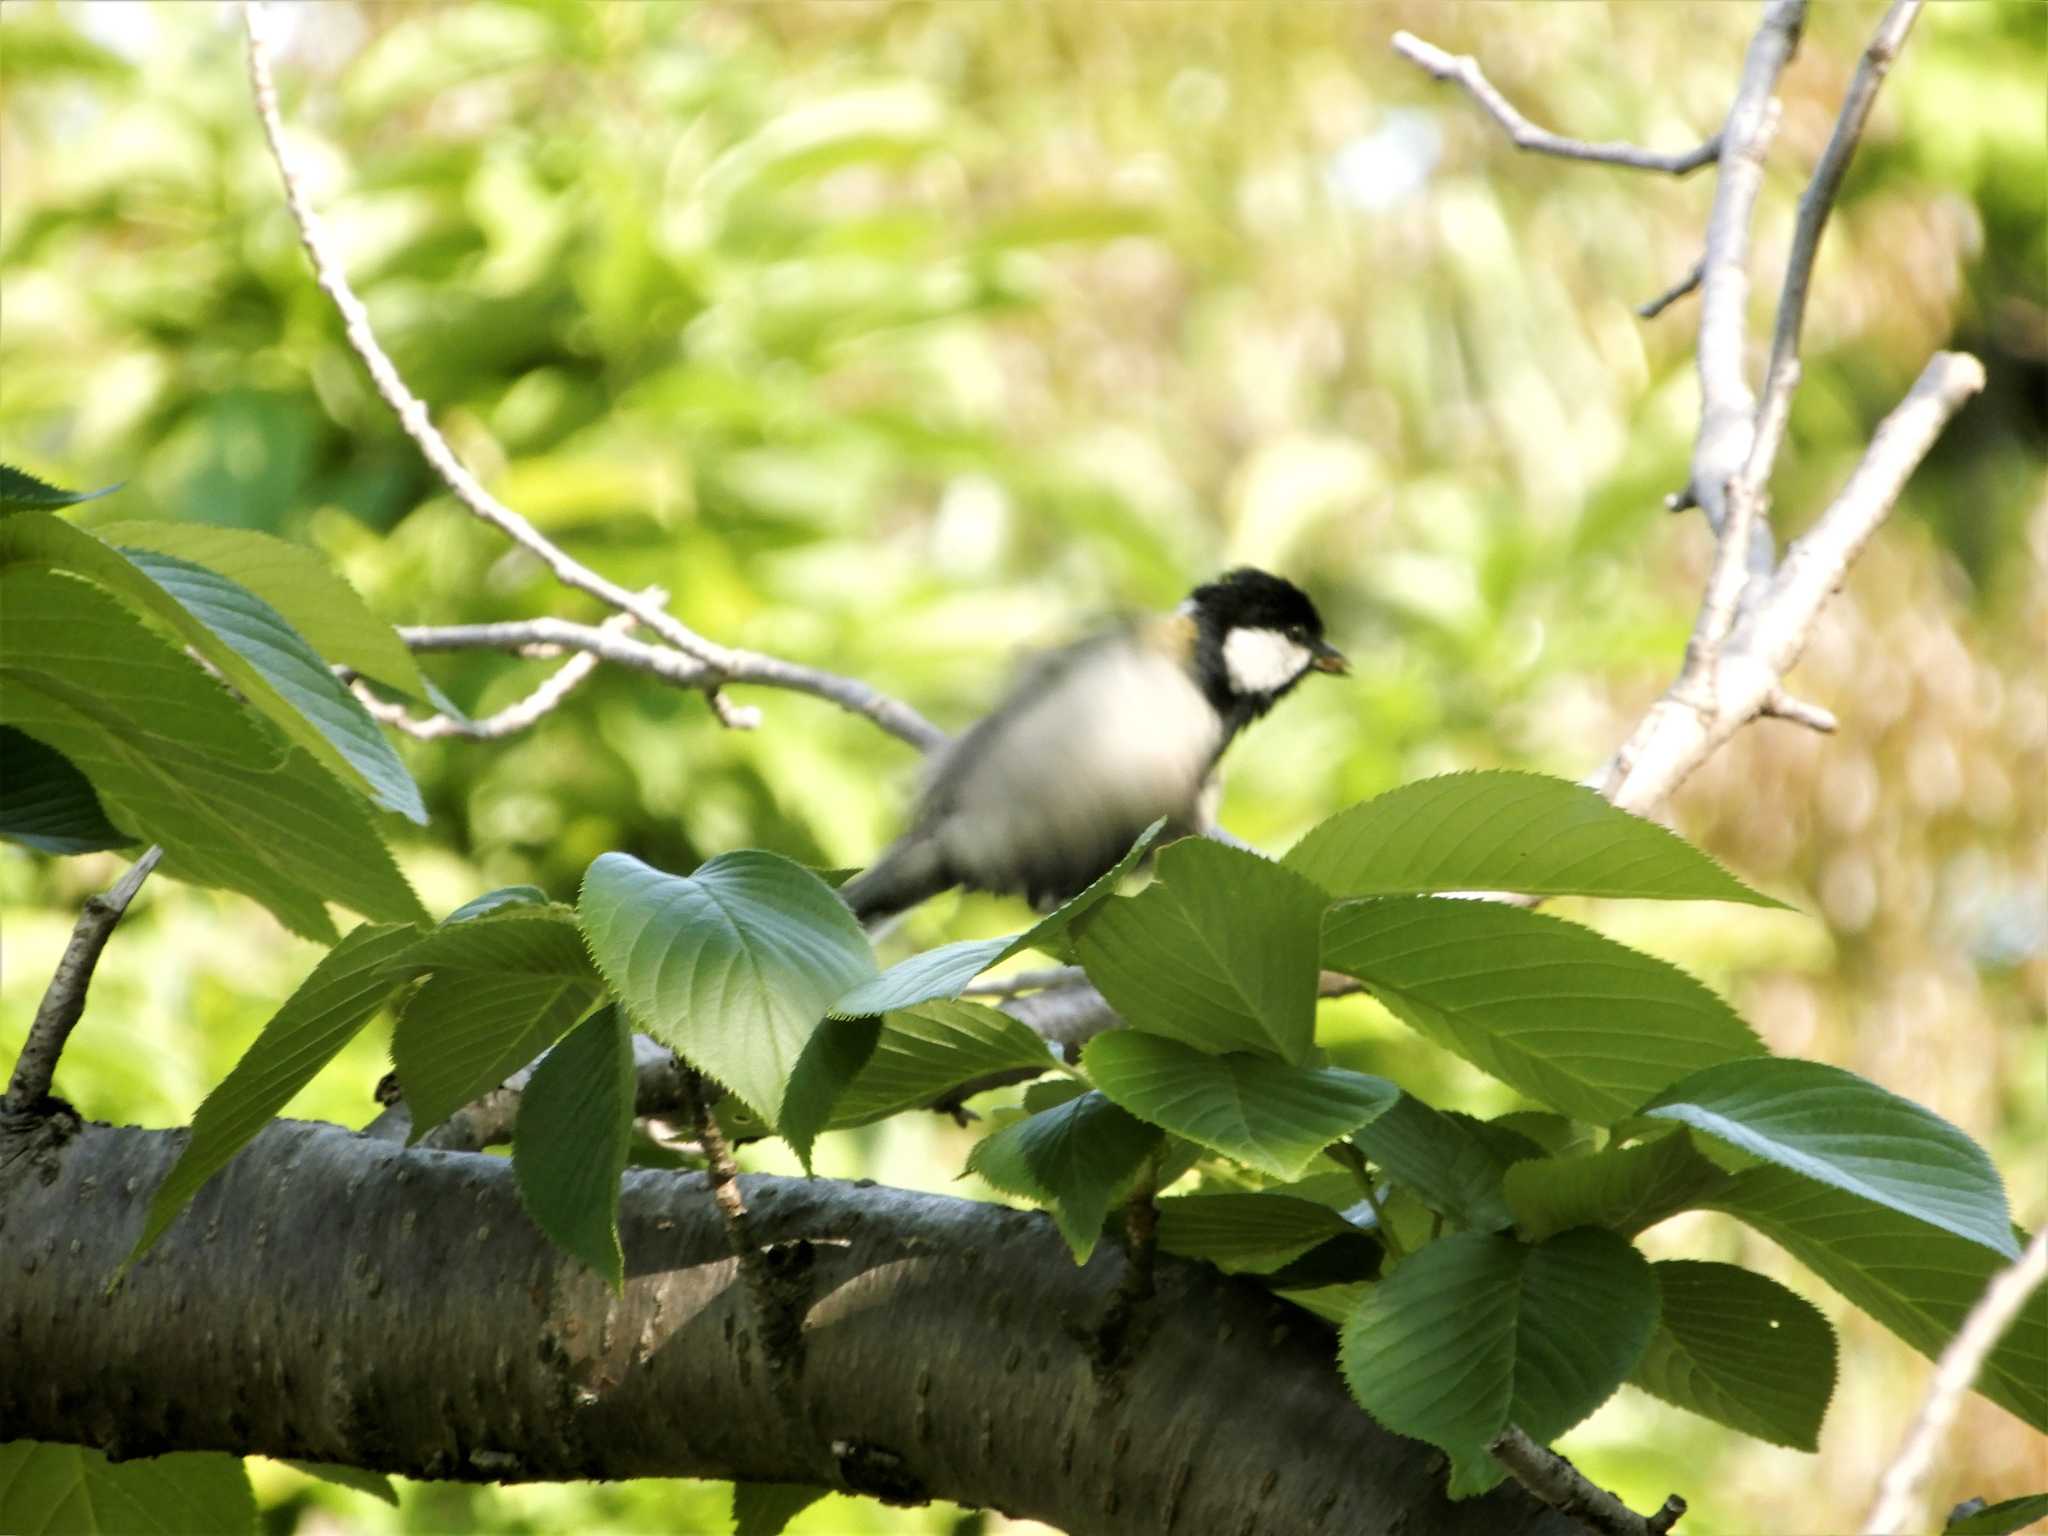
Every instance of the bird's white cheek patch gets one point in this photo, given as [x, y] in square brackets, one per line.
[1262, 660]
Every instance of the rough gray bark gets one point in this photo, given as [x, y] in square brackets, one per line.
[336, 1298]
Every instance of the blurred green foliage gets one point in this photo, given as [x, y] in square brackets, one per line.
[899, 338]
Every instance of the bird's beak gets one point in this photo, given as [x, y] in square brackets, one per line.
[1328, 659]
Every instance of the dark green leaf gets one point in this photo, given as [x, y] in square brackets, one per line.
[734, 965]
[1273, 1116]
[1442, 1158]
[47, 804]
[1919, 1281]
[176, 759]
[1079, 1158]
[1581, 1023]
[1624, 1189]
[68, 1490]
[2002, 1518]
[837, 1051]
[1476, 1332]
[351, 983]
[1219, 952]
[1248, 1229]
[21, 491]
[503, 989]
[1740, 1349]
[925, 1053]
[569, 1143]
[1844, 1130]
[493, 901]
[1503, 831]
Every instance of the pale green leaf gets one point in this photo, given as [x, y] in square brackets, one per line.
[21, 491]
[1442, 1158]
[734, 966]
[1219, 952]
[1275, 1117]
[1841, 1129]
[1625, 1189]
[1503, 831]
[375, 1484]
[1234, 1230]
[925, 1053]
[1588, 1026]
[70, 1490]
[833, 1057]
[765, 1509]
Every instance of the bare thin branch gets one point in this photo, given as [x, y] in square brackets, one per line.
[64, 1000]
[1652, 308]
[1898, 1508]
[1465, 70]
[1568, 1491]
[543, 637]
[1815, 717]
[1818, 200]
[719, 664]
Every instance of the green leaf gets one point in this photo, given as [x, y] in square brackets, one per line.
[765, 1509]
[1624, 1189]
[1250, 1229]
[321, 715]
[569, 1142]
[837, 1051]
[177, 761]
[1503, 831]
[68, 1490]
[1919, 1281]
[21, 491]
[47, 804]
[1841, 1129]
[1219, 952]
[925, 1053]
[496, 901]
[241, 636]
[1740, 1349]
[312, 596]
[1079, 1158]
[945, 972]
[1442, 1158]
[1587, 1026]
[734, 965]
[375, 1484]
[351, 983]
[503, 989]
[2002, 1518]
[1476, 1332]
[1273, 1116]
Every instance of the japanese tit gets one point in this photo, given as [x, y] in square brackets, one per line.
[1096, 742]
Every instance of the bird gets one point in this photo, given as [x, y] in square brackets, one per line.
[1096, 741]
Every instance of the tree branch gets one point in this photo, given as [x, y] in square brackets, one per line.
[532, 1369]
[64, 999]
[1465, 70]
[719, 664]
[1898, 1508]
[1567, 1490]
[547, 637]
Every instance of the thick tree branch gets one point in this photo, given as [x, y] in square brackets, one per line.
[947, 1334]
[1465, 70]
[64, 999]
[719, 664]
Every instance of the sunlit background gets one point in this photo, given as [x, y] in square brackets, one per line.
[900, 339]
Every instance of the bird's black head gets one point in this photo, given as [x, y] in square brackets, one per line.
[1256, 636]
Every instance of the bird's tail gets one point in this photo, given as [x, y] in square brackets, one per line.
[908, 873]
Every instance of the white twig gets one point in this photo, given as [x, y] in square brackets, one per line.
[548, 637]
[719, 664]
[1465, 70]
[1898, 1508]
